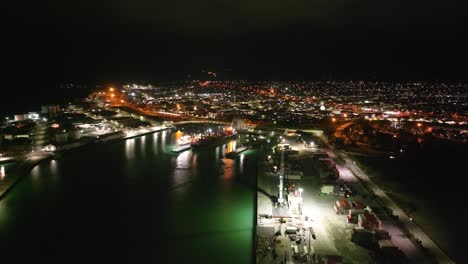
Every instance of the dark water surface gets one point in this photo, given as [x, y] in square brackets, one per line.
[133, 201]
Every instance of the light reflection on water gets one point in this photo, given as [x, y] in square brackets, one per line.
[228, 169]
[194, 160]
[203, 188]
[35, 174]
[142, 145]
[183, 171]
[155, 143]
[163, 139]
[183, 160]
[130, 148]
[241, 163]
[53, 167]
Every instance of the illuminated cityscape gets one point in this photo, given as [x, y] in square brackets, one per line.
[318, 197]
[267, 132]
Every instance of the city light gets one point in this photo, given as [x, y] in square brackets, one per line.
[296, 139]
[138, 67]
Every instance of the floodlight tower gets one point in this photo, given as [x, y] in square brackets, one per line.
[281, 177]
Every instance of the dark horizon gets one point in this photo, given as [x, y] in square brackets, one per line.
[116, 41]
[49, 43]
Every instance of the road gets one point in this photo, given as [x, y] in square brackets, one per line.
[412, 228]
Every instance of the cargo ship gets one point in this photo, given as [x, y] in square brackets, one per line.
[184, 143]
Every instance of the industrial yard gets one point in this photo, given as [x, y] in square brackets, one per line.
[338, 218]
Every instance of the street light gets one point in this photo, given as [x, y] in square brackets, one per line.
[300, 191]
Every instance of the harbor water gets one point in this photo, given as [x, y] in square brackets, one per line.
[134, 201]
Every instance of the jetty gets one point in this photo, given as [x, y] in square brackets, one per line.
[181, 148]
[233, 154]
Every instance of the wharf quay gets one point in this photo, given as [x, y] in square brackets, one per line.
[110, 137]
[233, 154]
[145, 131]
[181, 148]
[7, 160]
[23, 166]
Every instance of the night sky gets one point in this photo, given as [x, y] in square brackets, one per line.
[49, 42]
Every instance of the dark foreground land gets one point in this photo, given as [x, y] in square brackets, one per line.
[429, 185]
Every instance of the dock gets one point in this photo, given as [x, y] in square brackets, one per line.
[236, 152]
[7, 160]
[181, 148]
[24, 166]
